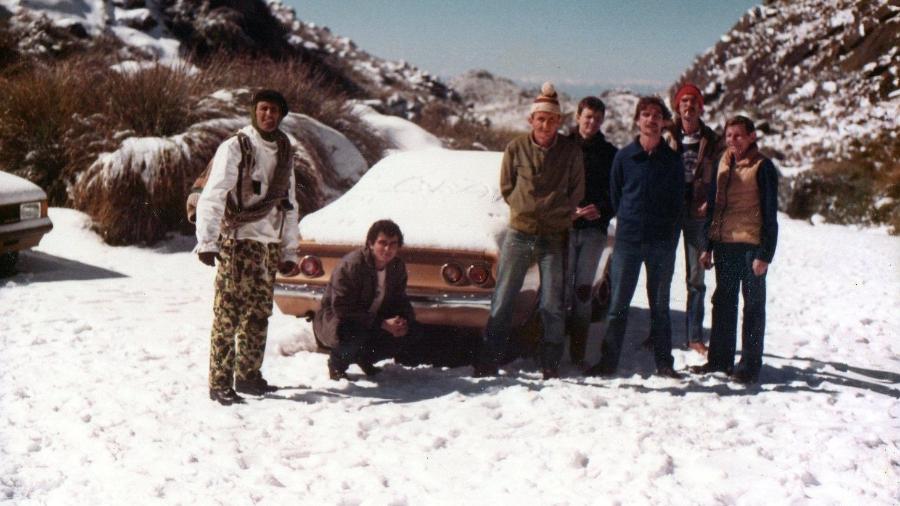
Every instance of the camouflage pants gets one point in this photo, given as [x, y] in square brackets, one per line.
[242, 306]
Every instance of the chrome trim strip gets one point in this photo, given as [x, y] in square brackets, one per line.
[315, 292]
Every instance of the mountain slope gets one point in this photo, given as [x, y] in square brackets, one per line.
[821, 77]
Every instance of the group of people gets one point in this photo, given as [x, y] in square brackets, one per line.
[677, 177]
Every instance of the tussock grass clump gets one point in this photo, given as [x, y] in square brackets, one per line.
[125, 145]
[459, 133]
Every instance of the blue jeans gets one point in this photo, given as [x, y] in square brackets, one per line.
[694, 244]
[734, 272]
[518, 253]
[585, 249]
[658, 259]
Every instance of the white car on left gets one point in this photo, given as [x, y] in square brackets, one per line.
[23, 218]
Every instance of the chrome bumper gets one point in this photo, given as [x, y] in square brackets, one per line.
[418, 300]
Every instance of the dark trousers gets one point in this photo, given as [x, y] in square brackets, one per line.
[659, 260]
[358, 345]
[734, 273]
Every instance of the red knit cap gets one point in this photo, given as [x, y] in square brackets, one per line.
[688, 89]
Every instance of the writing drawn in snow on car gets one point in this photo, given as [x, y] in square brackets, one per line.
[23, 218]
[449, 207]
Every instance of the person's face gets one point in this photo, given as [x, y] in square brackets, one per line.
[650, 121]
[268, 115]
[384, 249]
[589, 122]
[689, 107]
[544, 126]
[737, 138]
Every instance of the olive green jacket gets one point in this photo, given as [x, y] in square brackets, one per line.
[542, 186]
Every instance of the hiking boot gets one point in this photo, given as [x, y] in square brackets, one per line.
[485, 370]
[699, 347]
[368, 368]
[550, 373]
[708, 368]
[255, 385]
[745, 377]
[599, 369]
[225, 396]
[668, 372]
[337, 374]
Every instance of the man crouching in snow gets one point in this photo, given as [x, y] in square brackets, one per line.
[247, 220]
[366, 315]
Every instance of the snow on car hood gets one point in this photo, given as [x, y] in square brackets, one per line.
[14, 189]
[439, 197]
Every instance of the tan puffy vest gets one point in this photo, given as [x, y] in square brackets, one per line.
[737, 217]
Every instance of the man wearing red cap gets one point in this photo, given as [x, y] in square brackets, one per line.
[699, 148]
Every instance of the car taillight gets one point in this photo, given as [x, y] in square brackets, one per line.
[311, 266]
[478, 274]
[452, 273]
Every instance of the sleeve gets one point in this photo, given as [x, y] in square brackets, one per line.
[576, 180]
[606, 209]
[211, 206]
[767, 181]
[710, 206]
[290, 238]
[615, 183]
[507, 175]
[345, 297]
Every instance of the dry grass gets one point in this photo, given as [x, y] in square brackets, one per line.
[462, 134]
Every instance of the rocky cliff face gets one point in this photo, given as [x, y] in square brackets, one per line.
[821, 79]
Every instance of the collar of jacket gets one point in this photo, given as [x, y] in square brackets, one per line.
[542, 148]
[753, 155]
[636, 151]
[597, 138]
[676, 133]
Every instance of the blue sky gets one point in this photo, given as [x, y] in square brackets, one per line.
[575, 42]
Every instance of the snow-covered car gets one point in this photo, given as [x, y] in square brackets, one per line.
[23, 218]
[453, 217]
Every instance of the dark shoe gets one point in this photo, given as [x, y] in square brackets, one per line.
[745, 377]
[485, 371]
[698, 347]
[550, 373]
[368, 368]
[708, 368]
[599, 369]
[225, 396]
[668, 372]
[337, 374]
[255, 385]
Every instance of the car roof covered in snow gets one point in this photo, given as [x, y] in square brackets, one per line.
[440, 198]
[14, 189]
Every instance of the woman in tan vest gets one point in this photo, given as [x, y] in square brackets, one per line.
[742, 230]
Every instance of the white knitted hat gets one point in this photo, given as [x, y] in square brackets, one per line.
[547, 100]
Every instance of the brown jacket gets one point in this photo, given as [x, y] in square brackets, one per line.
[737, 217]
[542, 186]
[351, 291]
[711, 147]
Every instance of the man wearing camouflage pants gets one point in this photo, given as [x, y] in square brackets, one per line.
[247, 220]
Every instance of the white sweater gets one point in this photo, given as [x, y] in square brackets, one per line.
[223, 178]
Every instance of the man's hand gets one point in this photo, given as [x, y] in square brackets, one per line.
[395, 326]
[760, 267]
[209, 257]
[288, 269]
[588, 212]
[706, 260]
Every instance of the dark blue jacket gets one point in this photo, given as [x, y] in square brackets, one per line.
[647, 192]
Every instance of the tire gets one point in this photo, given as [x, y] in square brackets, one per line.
[8, 263]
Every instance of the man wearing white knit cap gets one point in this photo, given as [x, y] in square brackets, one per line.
[542, 180]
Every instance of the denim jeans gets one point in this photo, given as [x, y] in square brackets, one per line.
[658, 259]
[734, 272]
[357, 345]
[518, 253]
[585, 249]
[694, 244]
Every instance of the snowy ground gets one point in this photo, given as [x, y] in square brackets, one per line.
[103, 359]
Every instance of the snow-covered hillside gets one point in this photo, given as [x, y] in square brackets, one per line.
[822, 75]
